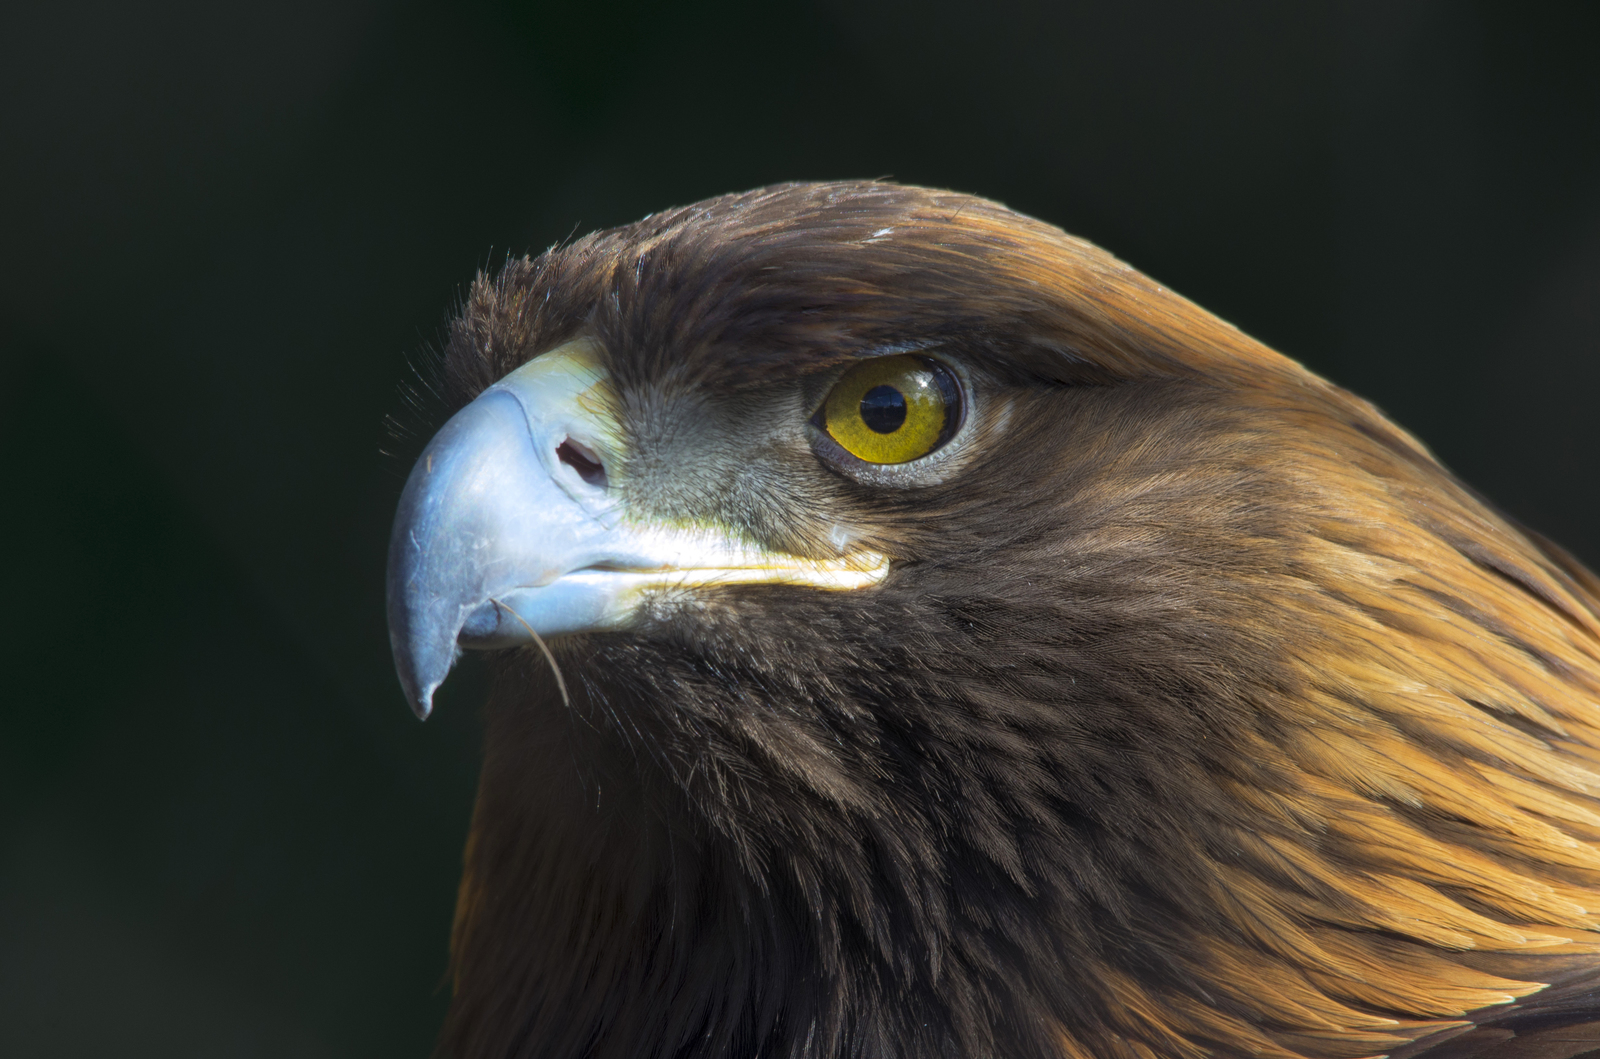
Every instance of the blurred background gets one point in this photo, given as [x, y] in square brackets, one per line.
[227, 231]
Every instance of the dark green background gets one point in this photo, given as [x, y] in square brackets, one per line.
[226, 230]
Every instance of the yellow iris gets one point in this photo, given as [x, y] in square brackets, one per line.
[892, 409]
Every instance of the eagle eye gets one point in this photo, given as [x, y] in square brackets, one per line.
[892, 409]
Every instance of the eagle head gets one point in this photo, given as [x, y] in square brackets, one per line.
[917, 633]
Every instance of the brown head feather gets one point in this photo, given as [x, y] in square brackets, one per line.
[1204, 712]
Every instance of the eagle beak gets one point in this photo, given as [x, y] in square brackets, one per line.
[512, 526]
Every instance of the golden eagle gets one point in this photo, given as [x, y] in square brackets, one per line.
[960, 645]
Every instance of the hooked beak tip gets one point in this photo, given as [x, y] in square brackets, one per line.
[417, 687]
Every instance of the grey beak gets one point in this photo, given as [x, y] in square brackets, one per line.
[492, 511]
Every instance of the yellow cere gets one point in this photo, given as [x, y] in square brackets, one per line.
[888, 410]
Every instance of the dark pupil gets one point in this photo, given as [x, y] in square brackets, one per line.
[883, 409]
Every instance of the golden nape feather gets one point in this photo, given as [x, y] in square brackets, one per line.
[960, 645]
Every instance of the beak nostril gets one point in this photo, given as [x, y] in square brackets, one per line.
[583, 460]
